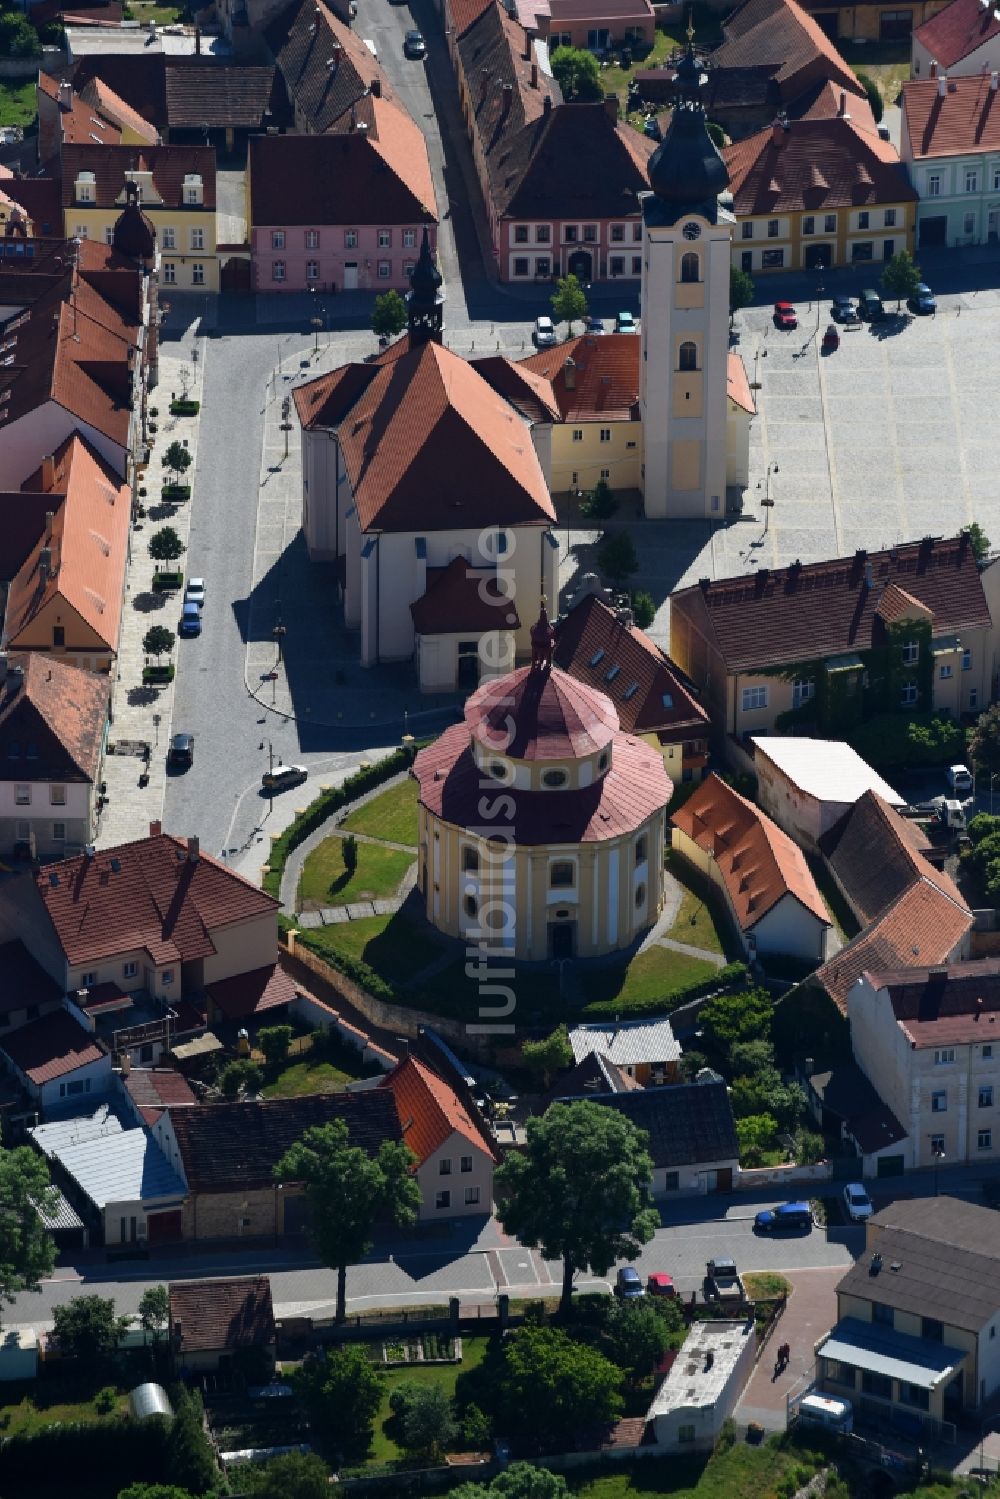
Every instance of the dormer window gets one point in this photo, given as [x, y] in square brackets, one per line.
[86, 187]
[194, 192]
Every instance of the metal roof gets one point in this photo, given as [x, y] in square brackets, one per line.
[61, 1216]
[826, 769]
[626, 1045]
[108, 1163]
[881, 1350]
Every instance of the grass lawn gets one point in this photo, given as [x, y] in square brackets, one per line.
[886, 63]
[695, 922]
[163, 15]
[765, 1284]
[326, 882]
[391, 815]
[389, 944]
[383, 1448]
[742, 1472]
[17, 103]
[308, 1077]
[653, 975]
[28, 1416]
[707, 29]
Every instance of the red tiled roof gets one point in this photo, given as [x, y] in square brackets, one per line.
[464, 13]
[648, 691]
[781, 34]
[458, 599]
[148, 895]
[963, 120]
[872, 884]
[217, 95]
[252, 993]
[429, 1111]
[51, 1047]
[737, 384]
[758, 862]
[530, 393]
[153, 1089]
[957, 30]
[602, 382]
[814, 164]
[533, 714]
[896, 604]
[110, 165]
[954, 1006]
[114, 108]
[57, 709]
[79, 121]
[827, 608]
[210, 1315]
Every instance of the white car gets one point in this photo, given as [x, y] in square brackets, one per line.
[545, 333]
[959, 778]
[194, 593]
[857, 1203]
[284, 776]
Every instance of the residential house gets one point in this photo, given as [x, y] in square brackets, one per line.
[702, 1387]
[118, 1179]
[905, 853]
[26, 990]
[54, 1059]
[819, 192]
[64, 602]
[150, 1090]
[409, 463]
[950, 143]
[808, 784]
[245, 999]
[772, 900]
[560, 182]
[593, 25]
[843, 1101]
[455, 1159]
[53, 729]
[63, 117]
[176, 192]
[836, 642]
[871, 20]
[924, 1038]
[32, 207]
[226, 1153]
[916, 1343]
[328, 70]
[600, 646]
[304, 194]
[212, 1322]
[645, 1050]
[959, 38]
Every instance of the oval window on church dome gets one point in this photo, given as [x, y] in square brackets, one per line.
[498, 770]
[552, 779]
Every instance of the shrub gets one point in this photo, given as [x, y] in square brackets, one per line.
[274, 1041]
[915, 739]
[600, 503]
[240, 1074]
[643, 609]
[871, 88]
[349, 853]
[105, 1400]
[184, 407]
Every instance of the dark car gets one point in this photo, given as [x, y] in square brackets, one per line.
[870, 306]
[789, 1217]
[190, 621]
[181, 752]
[594, 325]
[628, 1284]
[923, 302]
[831, 338]
[784, 315]
[843, 310]
[414, 45]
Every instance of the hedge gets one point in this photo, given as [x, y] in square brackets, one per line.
[732, 976]
[909, 739]
[185, 408]
[120, 1451]
[175, 493]
[358, 971]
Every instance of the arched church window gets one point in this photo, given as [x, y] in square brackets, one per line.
[690, 266]
[688, 356]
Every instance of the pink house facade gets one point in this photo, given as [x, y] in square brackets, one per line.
[332, 257]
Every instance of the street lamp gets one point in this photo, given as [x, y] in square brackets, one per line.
[819, 292]
[767, 504]
[937, 1151]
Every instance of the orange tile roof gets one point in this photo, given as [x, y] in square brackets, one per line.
[429, 1110]
[59, 711]
[816, 164]
[605, 381]
[88, 548]
[871, 885]
[79, 121]
[831, 99]
[401, 144]
[896, 604]
[737, 384]
[758, 862]
[963, 120]
[957, 30]
[114, 108]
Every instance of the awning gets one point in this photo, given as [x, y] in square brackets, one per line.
[880, 1350]
[844, 663]
[201, 1046]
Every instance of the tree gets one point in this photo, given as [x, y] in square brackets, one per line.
[342, 1391]
[617, 557]
[748, 1057]
[643, 609]
[741, 289]
[979, 541]
[477, 1429]
[519, 1481]
[755, 1135]
[389, 315]
[550, 1387]
[87, 1329]
[153, 1491]
[274, 1041]
[600, 503]
[189, 1457]
[347, 1191]
[765, 1093]
[545, 1058]
[569, 301]
[294, 1475]
[984, 741]
[154, 1310]
[639, 1336]
[240, 1074]
[165, 545]
[737, 1017]
[580, 1189]
[874, 93]
[577, 74]
[349, 853]
[177, 459]
[426, 1416]
[901, 276]
[27, 1251]
[18, 38]
[158, 641]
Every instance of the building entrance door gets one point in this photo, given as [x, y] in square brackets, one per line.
[350, 275]
[562, 939]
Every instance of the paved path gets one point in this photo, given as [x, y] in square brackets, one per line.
[692, 952]
[809, 1315]
[292, 873]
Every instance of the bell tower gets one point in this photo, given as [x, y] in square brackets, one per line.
[687, 251]
[425, 299]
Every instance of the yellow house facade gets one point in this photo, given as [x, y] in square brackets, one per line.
[592, 400]
[873, 23]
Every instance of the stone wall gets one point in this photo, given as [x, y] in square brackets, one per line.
[234, 1215]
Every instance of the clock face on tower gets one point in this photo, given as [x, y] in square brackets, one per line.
[691, 231]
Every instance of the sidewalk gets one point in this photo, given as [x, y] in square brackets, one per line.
[810, 1313]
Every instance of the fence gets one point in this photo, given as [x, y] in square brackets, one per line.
[777, 1176]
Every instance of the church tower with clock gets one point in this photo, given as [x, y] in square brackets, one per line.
[685, 314]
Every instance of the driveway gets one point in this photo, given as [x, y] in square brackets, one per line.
[809, 1314]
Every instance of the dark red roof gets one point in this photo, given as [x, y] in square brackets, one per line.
[963, 119]
[458, 599]
[957, 30]
[109, 164]
[251, 993]
[52, 720]
[814, 164]
[537, 714]
[51, 1047]
[952, 1006]
[153, 1089]
[210, 1315]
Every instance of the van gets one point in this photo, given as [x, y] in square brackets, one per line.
[870, 306]
[827, 1410]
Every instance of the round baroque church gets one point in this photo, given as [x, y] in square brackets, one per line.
[542, 824]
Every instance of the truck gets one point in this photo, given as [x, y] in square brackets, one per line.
[723, 1283]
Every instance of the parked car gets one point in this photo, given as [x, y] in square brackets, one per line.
[826, 1410]
[625, 323]
[722, 1281]
[190, 622]
[857, 1203]
[545, 332]
[414, 45]
[660, 1284]
[831, 339]
[784, 315]
[843, 310]
[628, 1284]
[594, 325]
[870, 306]
[651, 128]
[181, 752]
[788, 1217]
[284, 776]
[923, 300]
[960, 778]
[194, 593]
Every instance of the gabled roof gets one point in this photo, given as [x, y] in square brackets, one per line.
[602, 381]
[108, 1163]
[872, 884]
[530, 393]
[151, 896]
[759, 864]
[114, 108]
[686, 1122]
[951, 1006]
[814, 164]
[52, 721]
[325, 179]
[87, 548]
[595, 1074]
[738, 383]
[252, 993]
[429, 1111]
[325, 65]
[210, 1315]
[798, 613]
[207, 93]
[459, 599]
[650, 693]
[232, 1147]
[961, 121]
[51, 1047]
[80, 122]
[629, 1044]
[781, 36]
[153, 1089]
[111, 166]
[420, 427]
[957, 30]
[829, 770]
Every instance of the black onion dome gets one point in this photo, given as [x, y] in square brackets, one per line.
[686, 168]
[425, 278]
[134, 234]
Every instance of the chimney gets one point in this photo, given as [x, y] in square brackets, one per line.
[778, 133]
[45, 563]
[534, 75]
[942, 85]
[611, 105]
[508, 98]
[869, 576]
[65, 95]
[526, 54]
[155, 829]
[194, 849]
[50, 516]
[842, 107]
[484, 81]
[547, 104]
[993, 83]
[197, 41]
[49, 473]
[569, 374]
[375, 88]
[3, 667]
